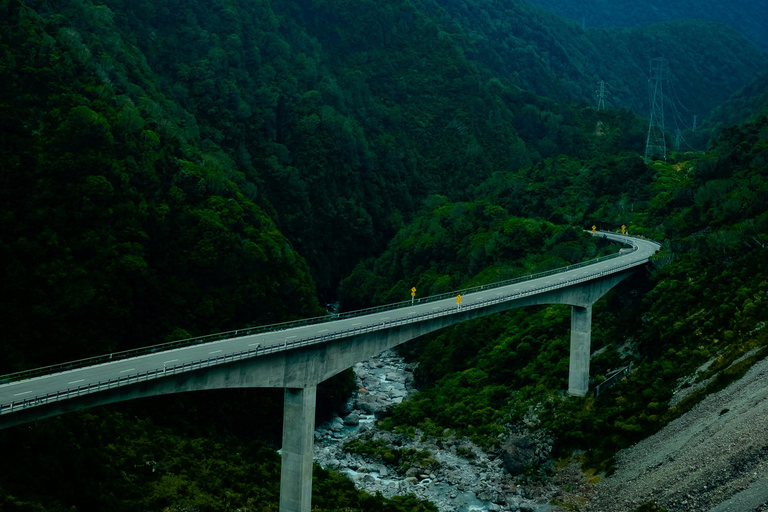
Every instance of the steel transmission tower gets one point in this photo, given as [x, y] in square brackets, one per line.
[600, 95]
[655, 144]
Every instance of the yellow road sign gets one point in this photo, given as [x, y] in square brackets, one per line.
[413, 289]
[594, 228]
[623, 229]
[458, 299]
[413, 294]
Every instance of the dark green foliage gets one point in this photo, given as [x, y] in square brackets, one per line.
[744, 15]
[115, 233]
[339, 118]
[650, 507]
[174, 168]
[110, 460]
[455, 245]
[703, 298]
[400, 459]
[558, 59]
[748, 104]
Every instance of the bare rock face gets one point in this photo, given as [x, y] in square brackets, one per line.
[352, 419]
[519, 453]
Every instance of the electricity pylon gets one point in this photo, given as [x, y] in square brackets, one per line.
[600, 95]
[655, 143]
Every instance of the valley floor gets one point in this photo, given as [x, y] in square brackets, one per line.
[712, 459]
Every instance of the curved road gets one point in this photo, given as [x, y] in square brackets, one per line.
[60, 385]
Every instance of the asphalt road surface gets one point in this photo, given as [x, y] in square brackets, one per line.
[171, 360]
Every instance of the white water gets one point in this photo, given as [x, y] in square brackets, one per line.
[461, 495]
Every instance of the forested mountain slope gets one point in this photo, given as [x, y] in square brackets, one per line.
[558, 58]
[747, 104]
[746, 16]
[118, 230]
[174, 168]
[703, 299]
[343, 116]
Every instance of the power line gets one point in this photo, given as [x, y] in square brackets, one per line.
[677, 118]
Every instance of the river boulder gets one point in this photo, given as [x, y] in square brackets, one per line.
[519, 453]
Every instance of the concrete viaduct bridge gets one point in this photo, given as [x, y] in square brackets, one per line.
[298, 356]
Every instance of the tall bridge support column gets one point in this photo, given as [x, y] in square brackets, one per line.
[581, 337]
[298, 448]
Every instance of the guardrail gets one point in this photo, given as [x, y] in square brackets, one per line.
[611, 380]
[9, 407]
[126, 354]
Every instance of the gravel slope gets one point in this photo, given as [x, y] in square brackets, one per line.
[712, 459]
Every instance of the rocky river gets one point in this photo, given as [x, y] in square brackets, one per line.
[453, 473]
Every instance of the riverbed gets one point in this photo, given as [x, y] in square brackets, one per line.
[454, 483]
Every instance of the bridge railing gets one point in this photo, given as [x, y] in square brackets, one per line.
[63, 394]
[162, 347]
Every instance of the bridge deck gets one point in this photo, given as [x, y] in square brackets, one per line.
[60, 385]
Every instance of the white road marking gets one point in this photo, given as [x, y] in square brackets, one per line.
[289, 337]
[24, 393]
[252, 344]
[385, 318]
[171, 361]
[358, 323]
[324, 330]
[128, 370]
[215, 352]
[75, 381]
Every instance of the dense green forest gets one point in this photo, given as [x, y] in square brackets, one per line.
[338, 118]
[705, 296]
[748, 104]
[744, 15]
[176, 168]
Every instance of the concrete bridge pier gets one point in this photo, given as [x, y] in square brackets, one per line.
[298, 449]
[581, 337]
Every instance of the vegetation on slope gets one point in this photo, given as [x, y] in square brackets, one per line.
[179, 168]
[705, 298]
[747, 105]
[116, 231]
[169, 458]
[743, 15]
[341, 117]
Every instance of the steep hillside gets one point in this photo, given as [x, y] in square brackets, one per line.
[747, 104]
[746, 16]
[173, 168]
[557, 58]
[703, 298]
[727, 430]
[344, 116]
[119, 230]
